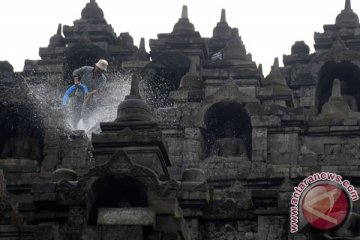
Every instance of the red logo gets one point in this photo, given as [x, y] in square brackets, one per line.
[325, 206]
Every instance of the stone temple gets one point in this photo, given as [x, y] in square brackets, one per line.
[212, 150]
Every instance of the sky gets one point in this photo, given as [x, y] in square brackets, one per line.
[268, 28]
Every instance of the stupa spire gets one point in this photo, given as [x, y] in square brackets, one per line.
[142, 44]
[348, 5]
[134, 90]
[260, 68]
[223, 16]
[59, 29]
[184, 12]
[275, 66]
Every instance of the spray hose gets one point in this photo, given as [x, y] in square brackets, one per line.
[71, 89]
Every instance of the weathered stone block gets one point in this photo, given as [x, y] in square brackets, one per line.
[112, 232]
[278, 171]
[19, 165]
[259, 156]
[176, 161]
[192, 146]
[284, 200]
[249, 236]
[297, 172]
[122, 232]
[344, 128]
[126, 216]
[265, 121]
[258, 170]
[314, 144]
[283, 148]
[350, 121]
[333, 169]
[193, 175]
[150, 157]
[11, 232]
[191, 157]
[174, 146]
[193, 133]
[260, 143]
[274, 227]
[168, 206]
[308, 160]
[226, 166]
[307, 94]
[175, 172]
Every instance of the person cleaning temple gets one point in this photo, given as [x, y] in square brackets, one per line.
[94, 79]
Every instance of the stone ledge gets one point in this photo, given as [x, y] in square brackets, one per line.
[19, 165]
[126, 216]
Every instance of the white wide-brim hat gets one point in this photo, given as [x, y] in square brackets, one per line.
[102, 64]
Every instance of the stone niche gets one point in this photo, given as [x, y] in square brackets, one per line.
[21, 138]
[228, 130]
[120, 193]
[228, 141]
[349, 76]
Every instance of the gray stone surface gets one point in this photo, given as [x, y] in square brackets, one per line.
[19, 165]
[64, 174]
[274, 227]
[126, 216]
[112, 232]
[193, 175]
[2, 186]
[220, 167]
